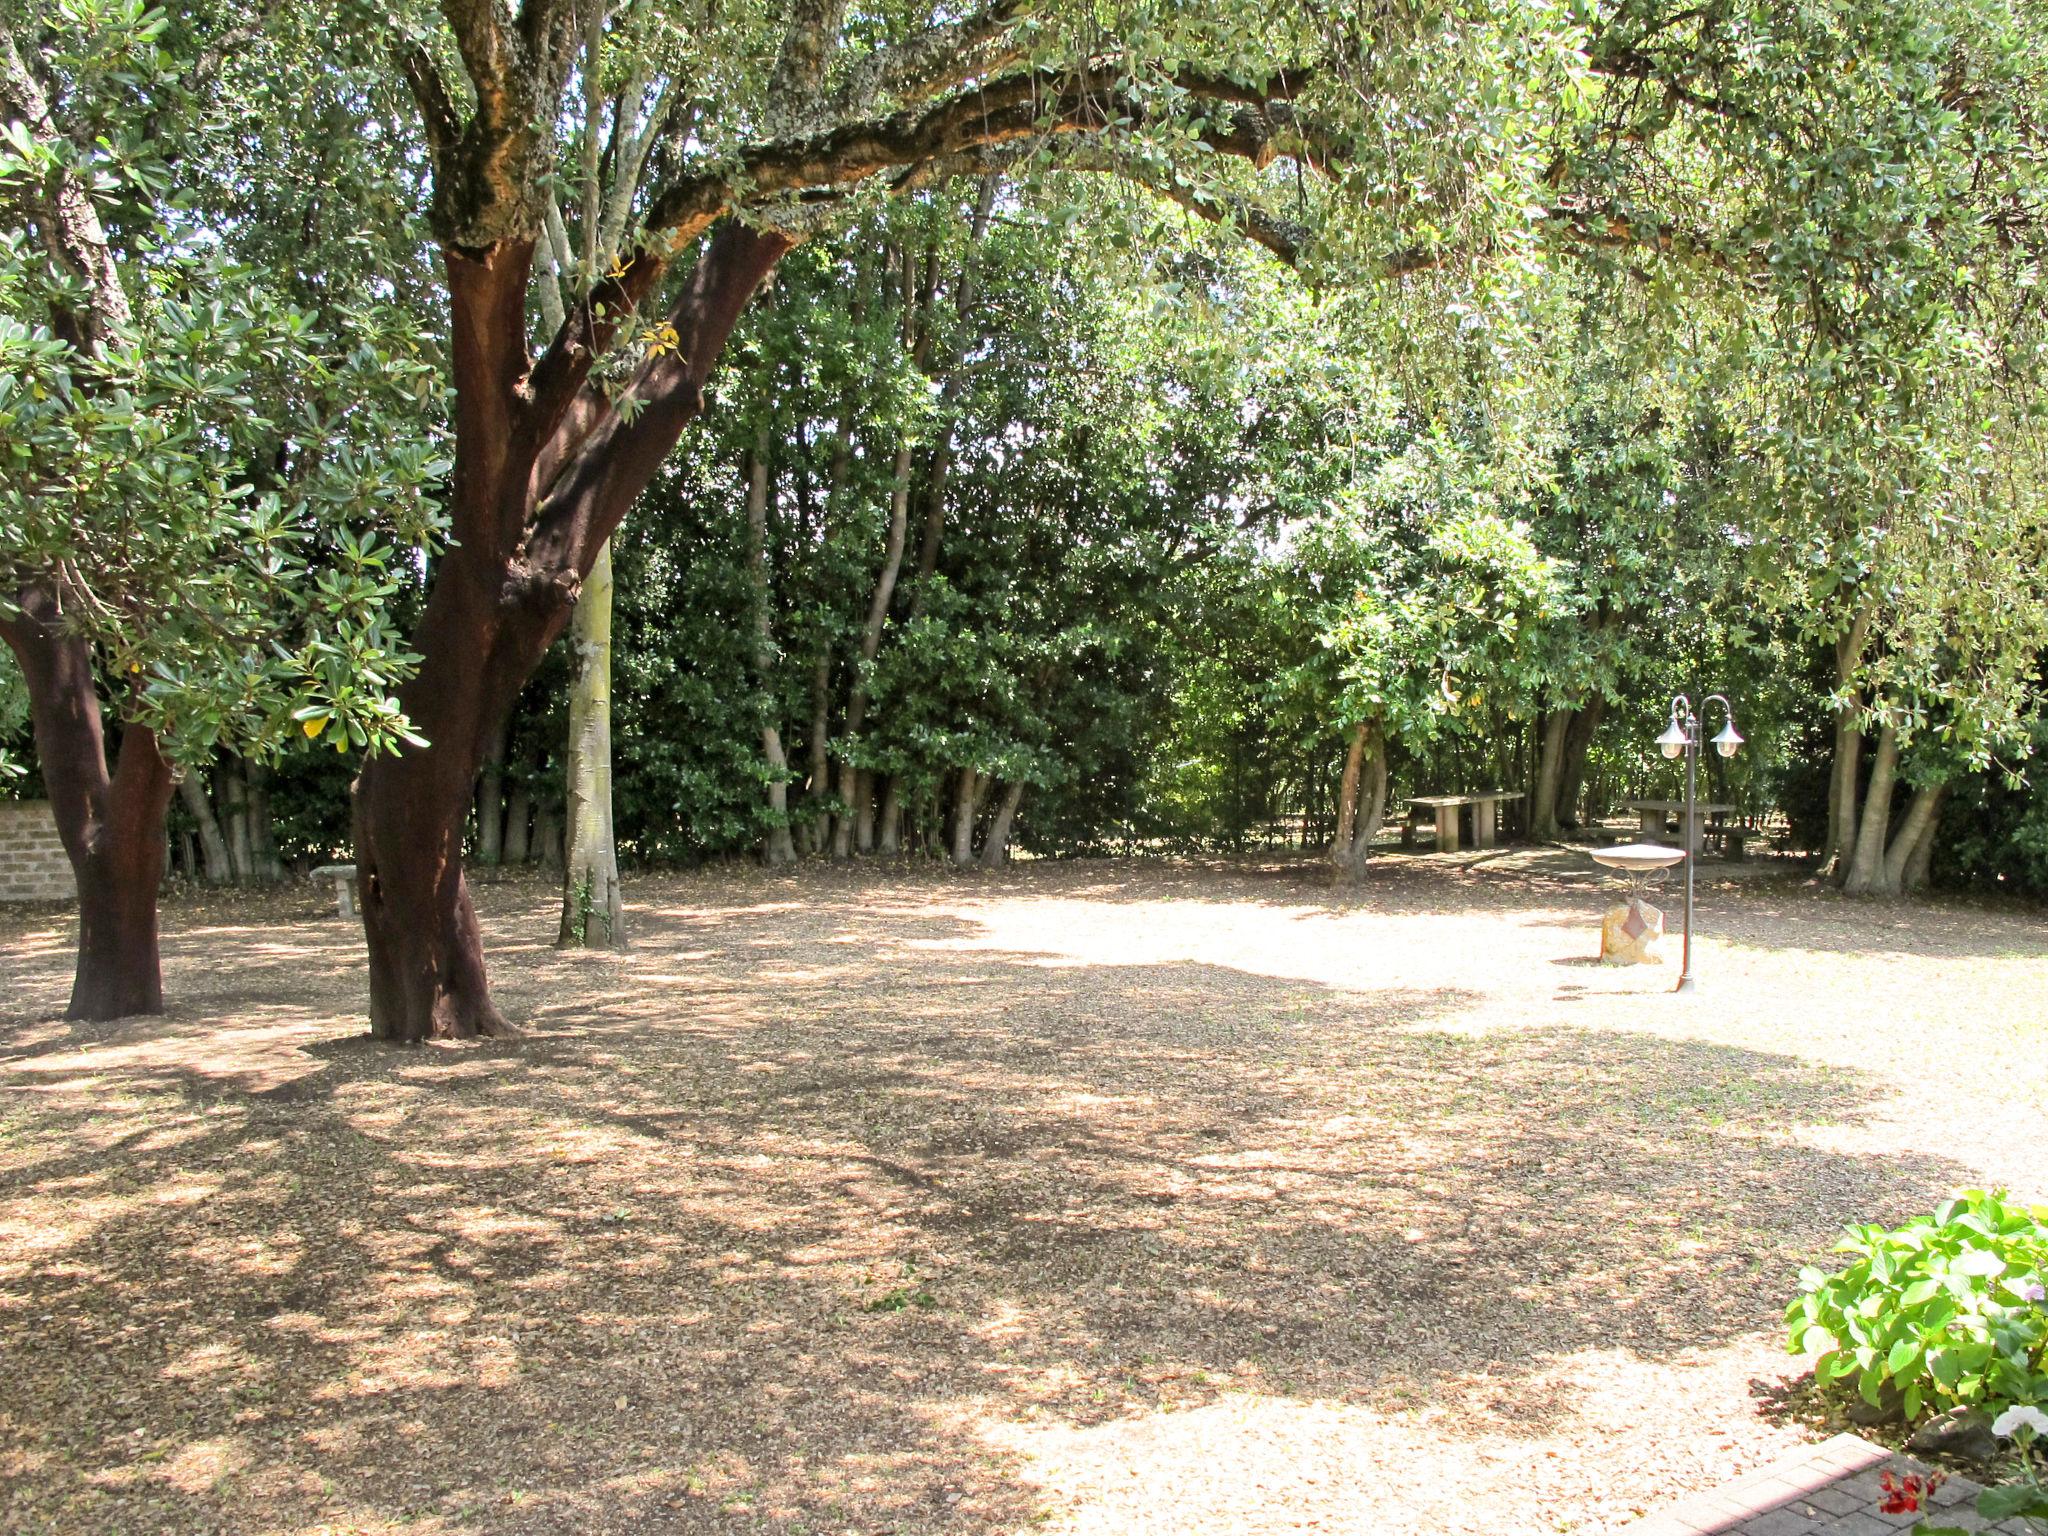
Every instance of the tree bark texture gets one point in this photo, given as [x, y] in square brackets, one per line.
[818, 786]
[112, 824]
[870, 647]
[1866, 871]
[995, 848]
[490, 801]
[1361, 802]
[1918, 869]
[889, 837]
[1846, 774]
[776, 845]
[593, 907]
[544, 472]
[1544, 808]
[1578, 746]
[966, 806]
[213, 845]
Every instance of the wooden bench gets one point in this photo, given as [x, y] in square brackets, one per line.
[344, 878]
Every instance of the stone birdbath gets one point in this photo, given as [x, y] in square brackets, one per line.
[1627, 933]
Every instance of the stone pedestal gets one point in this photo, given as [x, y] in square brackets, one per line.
[1629, 934]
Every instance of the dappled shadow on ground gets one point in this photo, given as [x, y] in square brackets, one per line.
[812, 1211]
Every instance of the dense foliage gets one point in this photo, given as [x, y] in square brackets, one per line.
[1947, 1310]
[1607, 352]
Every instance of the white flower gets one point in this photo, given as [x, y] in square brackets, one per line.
[2013, 1420]
[2028, 1290]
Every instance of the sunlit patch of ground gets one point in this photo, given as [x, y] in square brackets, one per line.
[1086, 1198]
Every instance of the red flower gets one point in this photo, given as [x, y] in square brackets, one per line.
[1908, 1495]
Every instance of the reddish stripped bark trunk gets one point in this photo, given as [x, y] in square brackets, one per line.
[112, 824]
[544, 473]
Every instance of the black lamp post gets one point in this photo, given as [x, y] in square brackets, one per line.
[1683, 735]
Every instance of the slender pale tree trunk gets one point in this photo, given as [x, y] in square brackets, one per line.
[1919, 862]
[864, 812]
[490, 800]
[1843, 780]
[213, 846]
[1915, 831]
[1361, 802]
[593, 906]
[1578, 745]
[518, 824]
[776, 845]
[819, 783]
[235, 802]
[1866, 872]
[889, 840]
[1372, 809]
[966, 803]
[995, 848]
[949, 401]
[1347, 799]
[548, 848]
[1543, 812]
[870, 647]
[268, 869]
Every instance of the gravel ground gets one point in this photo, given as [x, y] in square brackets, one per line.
[1083, 1198]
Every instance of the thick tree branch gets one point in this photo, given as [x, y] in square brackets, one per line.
[1036, 104]
[438, 117]
[934, 60]
[796, 86]
[620, 454]
[71, 231]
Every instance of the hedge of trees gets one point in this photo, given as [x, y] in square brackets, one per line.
[451, 436]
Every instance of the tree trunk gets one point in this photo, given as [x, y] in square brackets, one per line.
[192, 790]
[490, 800]
[112, 825]
[1543, 805]
[547, 839]
[949, 402]
[1866, 874]
[864, 812]
[518, 825]
[1915, 831]
[1362, 802]
[966, 802]
[776, 845]
[593, 907]
[1347, 799]
[870, 647]
[889, 839]
[1843, 780]
[545, 469]
[995, 849]
[1372, 810]
[1919, 862]
[1578, 746]
[235, 805]
[266, 868]
[820, 781]
[1843, 777]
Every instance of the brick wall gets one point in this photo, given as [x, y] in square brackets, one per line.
[32, 862]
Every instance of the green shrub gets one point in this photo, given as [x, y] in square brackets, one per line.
[1946, 1310]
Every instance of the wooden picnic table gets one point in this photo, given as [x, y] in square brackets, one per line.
[1485, 815]
[1653, 812]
